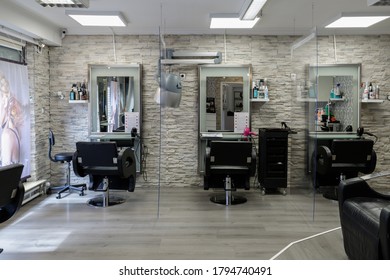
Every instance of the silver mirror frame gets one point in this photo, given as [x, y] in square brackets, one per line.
[105, 69]
[220, 70]
[340, 70]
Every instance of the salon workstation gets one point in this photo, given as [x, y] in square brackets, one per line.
[171, 137]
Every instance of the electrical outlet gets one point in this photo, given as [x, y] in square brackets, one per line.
[293, 76]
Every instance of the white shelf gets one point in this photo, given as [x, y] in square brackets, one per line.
[372, 101]
[259, 100]
[312, 99]
[306, 99]
[78, 101]
[337, 99]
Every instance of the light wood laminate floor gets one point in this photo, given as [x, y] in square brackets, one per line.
[189, 226]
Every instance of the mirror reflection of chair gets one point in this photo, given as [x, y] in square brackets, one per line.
[345, 159]
[63, 157]
[11, 191]
[364, 218]
[229, 165]
[107, 167]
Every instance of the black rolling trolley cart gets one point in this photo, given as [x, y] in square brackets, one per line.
[273, 158]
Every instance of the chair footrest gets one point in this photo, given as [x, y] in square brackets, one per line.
[103, 186]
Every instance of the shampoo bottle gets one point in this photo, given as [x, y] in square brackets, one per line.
[365, 93]
[255, 91]
[371, 94]
[377, 92]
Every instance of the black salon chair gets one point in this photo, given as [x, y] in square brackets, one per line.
[229, 165]
[107, 167]
[365, 219]
[11, 191]
[346, 158]
[63, 157]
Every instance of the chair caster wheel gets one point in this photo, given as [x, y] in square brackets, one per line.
[58, 196]
[263, 192]
[284, 192]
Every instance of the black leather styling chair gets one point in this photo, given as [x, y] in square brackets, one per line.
[365, 220]
[345, 159]
[11, 191]
[229, 165]
[107, 167]
[63, 157]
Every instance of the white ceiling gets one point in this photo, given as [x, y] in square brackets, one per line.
[280, 17]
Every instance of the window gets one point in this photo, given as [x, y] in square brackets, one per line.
[12, 50]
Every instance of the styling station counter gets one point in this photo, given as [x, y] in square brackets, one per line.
[319, 138]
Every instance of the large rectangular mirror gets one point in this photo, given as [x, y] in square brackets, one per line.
[223, 91]
[336, 111]
[224, 94]
[337, 87]
[116, 96]
[115, 105]
[114, 91]
[224, 98]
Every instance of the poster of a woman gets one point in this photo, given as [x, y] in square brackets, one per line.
[11, 121]
[14, 116]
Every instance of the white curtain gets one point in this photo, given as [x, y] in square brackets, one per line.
[14, 116]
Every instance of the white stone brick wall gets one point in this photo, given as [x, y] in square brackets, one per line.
[58, 67]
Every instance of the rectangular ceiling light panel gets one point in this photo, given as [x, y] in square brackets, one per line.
[250, 12]
[64, 3]
[231, 23]
[98, 18]
[356, 21]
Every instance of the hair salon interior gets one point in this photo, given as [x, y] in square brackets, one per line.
[195, 129]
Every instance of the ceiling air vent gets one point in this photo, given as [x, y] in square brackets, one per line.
[188, 57]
